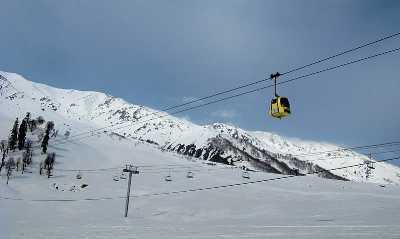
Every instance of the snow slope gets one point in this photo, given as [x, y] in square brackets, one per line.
[33, 206]
[80, 111]
[298, 207]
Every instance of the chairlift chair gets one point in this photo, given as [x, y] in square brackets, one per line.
[189, 174]
[135, 170]
[370, 165]
[168, 178]
[246, 175]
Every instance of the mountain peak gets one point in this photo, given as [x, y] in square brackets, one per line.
[82, 111]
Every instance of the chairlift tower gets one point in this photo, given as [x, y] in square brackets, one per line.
[131, 170]
[370, 166]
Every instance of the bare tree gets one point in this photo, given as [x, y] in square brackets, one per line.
[41, 166]
[18, 163]
[49, 163]
[54, 134]
[27, 155]
[3, 147]
[10, 164]
[40, 120]
[32, 125]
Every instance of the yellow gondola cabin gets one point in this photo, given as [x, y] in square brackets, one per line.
[280, 107]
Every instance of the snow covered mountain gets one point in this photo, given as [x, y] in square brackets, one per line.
[81, 111]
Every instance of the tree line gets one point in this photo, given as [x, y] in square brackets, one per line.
[17, 140]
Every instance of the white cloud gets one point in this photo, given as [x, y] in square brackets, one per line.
[225, 114]
[186, 117]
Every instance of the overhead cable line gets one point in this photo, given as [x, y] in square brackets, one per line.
[233, 96]
[91, 133]
[367, 154]
[363, 147]
[285, 73]
[88, 170]
[175, 166]
[241, 94]
[259, 81]
[385, 152]
[256, 181]
[196, 189]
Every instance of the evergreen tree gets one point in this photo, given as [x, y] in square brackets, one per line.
[45, 142]
[28, 121]
[22, 134]
[49, 126]
[14, 136]
[28, 116]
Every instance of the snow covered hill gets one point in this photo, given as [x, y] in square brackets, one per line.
[34, 206]
[81, 111]
[218, 202]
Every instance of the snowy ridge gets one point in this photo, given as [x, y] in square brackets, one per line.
[80, 111]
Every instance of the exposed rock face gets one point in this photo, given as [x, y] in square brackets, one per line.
[215, 143]
[221, 150]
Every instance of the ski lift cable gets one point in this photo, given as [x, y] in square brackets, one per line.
[362, 147]
[237, 95]
[249, 182]
[234, 96]
[284, 73]
[195, 189]
[179, 170]
[88, 170]
[385, 152]
[342, 157]
[182, 166]
[257, 82]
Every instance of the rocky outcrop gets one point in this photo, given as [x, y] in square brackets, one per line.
[227, 151]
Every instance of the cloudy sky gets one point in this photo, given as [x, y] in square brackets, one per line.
[162, 53]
